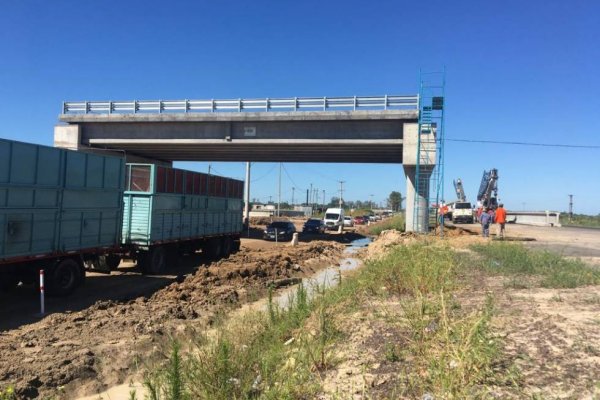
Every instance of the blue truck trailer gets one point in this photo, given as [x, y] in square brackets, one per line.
[64, 211]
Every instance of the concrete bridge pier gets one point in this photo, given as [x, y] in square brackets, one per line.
[417, 222]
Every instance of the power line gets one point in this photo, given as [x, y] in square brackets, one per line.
[575, 146]
[265, 175]
[321, 174]
[288, 175]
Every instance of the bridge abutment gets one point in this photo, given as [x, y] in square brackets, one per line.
[69, 137]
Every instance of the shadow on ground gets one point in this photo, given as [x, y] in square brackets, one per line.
[21, 305]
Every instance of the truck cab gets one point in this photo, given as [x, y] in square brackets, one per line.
[462, 212]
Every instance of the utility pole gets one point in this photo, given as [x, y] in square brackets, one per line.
[570, 208]
[308, 202]
[209, 165]
[270, 197]
[293, 190]
[342, 193]
[306, 197]
[247, 195]
[323, 199]
[279, 193]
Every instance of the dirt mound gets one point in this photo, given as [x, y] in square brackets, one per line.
[388, 239]
[89, 350]
[454, 231]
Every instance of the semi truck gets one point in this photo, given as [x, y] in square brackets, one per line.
[65, 211]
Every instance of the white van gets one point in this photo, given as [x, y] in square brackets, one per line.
[334, 218]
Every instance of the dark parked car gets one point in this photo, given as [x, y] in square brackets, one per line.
[314, 226]
[280, 230]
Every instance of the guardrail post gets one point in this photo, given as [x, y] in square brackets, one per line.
[295, 104]
[354, 103]
[64, 107]
[186, 105]
[239, 105]
[386, 102]
[324, 103]
[110, 106]
[212, 105]
[267, 104]
[135, 106]
[160, 106]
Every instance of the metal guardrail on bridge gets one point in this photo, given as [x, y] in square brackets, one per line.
[238, 105]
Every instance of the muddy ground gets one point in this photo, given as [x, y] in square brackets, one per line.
[81, 349]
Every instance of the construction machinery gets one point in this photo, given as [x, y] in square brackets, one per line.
[460, 210]
[488, 190]
[460, 191]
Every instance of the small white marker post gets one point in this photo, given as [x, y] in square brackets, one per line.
[42, 305]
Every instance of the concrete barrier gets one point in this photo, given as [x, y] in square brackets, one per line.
[538, 218]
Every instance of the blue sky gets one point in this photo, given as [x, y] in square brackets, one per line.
[516, 71]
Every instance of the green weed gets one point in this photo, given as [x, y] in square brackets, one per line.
[281, 352]
[391, 352]
[250, 358]
[8, 393]
[396, 222]
[547, 269]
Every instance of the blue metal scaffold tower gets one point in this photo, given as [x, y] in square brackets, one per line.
[430, 150]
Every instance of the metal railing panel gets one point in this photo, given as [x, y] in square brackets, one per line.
[240, 105]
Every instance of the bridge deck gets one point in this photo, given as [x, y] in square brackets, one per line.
[362, 136]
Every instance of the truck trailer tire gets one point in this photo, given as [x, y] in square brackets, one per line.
[155, 261]
[236, 245]
[227, 248]
[112, 261]
[64, 277]
[213, 248]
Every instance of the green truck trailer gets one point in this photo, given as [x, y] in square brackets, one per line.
[64, 211]
[168, 211]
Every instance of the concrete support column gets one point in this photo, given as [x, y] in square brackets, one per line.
[417, 222]
[247, 195]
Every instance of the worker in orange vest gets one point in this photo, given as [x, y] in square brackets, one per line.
[500, 219]
[443, 211]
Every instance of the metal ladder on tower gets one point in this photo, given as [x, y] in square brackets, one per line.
[430, 150]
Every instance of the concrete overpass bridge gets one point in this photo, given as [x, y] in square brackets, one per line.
[376, 129]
